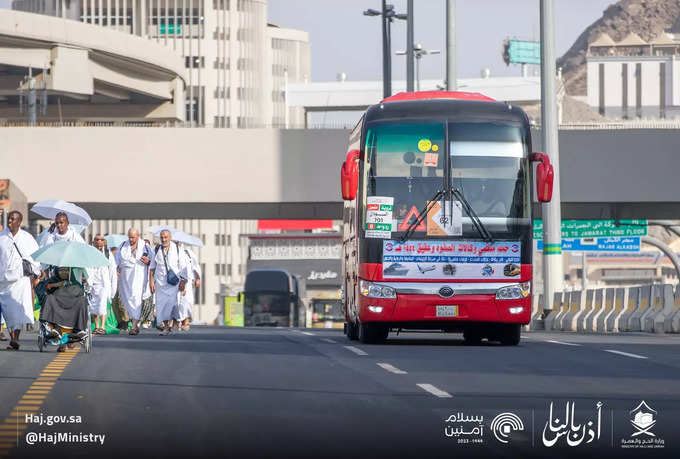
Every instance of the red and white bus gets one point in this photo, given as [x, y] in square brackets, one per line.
[437, 217]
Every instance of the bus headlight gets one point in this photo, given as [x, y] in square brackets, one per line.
[514, 292]
[372, 290]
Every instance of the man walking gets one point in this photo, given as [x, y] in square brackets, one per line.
[101, 280]
[16, 268]
[133, 257]
[61, 231]
[186, 302]
[167, 278]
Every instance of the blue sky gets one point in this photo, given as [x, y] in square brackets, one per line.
[343, 40]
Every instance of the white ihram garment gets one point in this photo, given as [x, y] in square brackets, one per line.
[167, 296]
[186, 302]
[133, 276]
[15, 288]
[70, 235]
[101, 288]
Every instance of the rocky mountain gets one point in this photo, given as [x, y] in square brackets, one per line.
[647, 18]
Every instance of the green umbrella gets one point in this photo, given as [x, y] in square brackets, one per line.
[70, 254]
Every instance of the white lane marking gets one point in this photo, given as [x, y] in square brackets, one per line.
[328, 340]
[391, 369]
[561, 342]
[356, 350]
[307, 333]
[635, 356]
[434, 391]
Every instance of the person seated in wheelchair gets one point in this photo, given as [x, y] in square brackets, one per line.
[64, 306]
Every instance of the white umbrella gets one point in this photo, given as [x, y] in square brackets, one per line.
[114, 240]
[156, 229]
[188, 239]
[179, 236]
[49, 208]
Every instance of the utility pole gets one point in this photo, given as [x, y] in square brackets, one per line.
[451, 83]
[409, 46]
[387, 15]
[387, 52]
[553, 277]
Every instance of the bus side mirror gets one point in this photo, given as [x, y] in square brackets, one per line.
[240, 297]
[545, 176]
[349, 176]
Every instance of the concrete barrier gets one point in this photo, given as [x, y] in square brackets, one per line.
[556, 304]
[564, 307]
[575, 305]
[662, 307]
[536, 323]
[607, 309]
[591, 320]
[632, 304]
[674, 317]
[587, 309]
[636, 320]
[619, 303]
[675, 320]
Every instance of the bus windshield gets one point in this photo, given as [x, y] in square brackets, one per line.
[486, 161]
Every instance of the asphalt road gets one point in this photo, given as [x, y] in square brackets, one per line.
[234, 392]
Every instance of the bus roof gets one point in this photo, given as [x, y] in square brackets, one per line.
[425, 95]
[454, 106]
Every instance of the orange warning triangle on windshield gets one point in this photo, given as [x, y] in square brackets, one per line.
[403, 226]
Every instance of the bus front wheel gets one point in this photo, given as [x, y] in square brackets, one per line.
[373, 333]
[510, 335]
[352, 331]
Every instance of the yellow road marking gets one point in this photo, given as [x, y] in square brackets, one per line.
[32, 400]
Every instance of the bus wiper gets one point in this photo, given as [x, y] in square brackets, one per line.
[423, 213]
[476, 222]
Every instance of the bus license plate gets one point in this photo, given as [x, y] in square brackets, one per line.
[447, 311]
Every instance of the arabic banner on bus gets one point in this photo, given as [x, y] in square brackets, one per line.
[451, 259]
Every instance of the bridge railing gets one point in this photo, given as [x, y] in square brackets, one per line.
[652, 308]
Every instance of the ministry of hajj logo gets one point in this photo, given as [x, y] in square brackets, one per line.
[643, 418]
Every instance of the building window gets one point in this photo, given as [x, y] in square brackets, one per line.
[217, 269]
[218, 299]
[241, 5]
[221, 121]
[222, 93]
[220, 4]
[240, 270]
[243, 64]
[194, 62]
[221, 63]
[229, 269]
[220, 34]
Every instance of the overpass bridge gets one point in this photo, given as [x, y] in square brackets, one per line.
[145, 172]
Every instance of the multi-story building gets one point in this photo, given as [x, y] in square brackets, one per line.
[237, 64]
[634, 78]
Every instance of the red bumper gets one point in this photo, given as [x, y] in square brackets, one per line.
[423, 308]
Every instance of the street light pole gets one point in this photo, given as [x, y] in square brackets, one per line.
[387, 15]
[409, 46]
[451, 83]
[387, 50]
[553, 277]
[419, 52]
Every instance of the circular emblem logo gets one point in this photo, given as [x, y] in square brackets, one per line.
[424, 145]
[446, 292]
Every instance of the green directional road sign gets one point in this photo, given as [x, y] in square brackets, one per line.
[596, 228]
[524, 52]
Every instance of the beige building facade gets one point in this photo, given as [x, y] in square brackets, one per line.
[237, 64]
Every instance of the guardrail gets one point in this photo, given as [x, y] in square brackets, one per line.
[653, 308]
